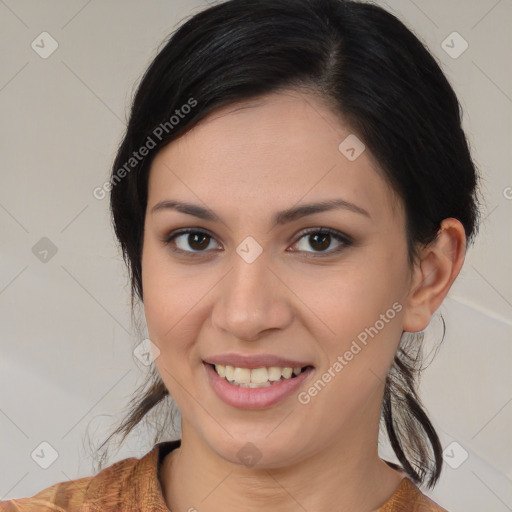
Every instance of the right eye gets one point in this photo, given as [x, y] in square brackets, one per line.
[196, 239]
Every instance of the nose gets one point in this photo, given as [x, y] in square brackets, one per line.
[251, 300]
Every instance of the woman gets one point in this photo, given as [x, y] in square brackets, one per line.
[293, 196]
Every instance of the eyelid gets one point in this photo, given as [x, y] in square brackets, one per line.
[345, 241]
[342, 238]
[184, 231]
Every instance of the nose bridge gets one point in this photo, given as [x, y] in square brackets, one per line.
[250, 300]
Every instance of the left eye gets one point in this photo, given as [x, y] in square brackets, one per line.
[318, 238]
[321, 238]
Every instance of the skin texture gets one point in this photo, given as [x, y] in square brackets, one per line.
[246, 162]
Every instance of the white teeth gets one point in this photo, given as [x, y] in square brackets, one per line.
[229, 371]
[274, 373]
[262, 385]
[221, 370]
[287, 372]
[257, 377]
[242, 375]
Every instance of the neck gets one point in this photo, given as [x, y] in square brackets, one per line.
[345, 476]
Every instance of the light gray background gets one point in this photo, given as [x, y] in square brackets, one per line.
[67, 367]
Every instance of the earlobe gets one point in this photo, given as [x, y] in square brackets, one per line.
[437, 266]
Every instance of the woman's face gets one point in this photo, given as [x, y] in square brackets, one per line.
[257, 293]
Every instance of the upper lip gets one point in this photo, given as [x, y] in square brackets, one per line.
[255, 361]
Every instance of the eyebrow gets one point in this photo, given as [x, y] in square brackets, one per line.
[282, 217]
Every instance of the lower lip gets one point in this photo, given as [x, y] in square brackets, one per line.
[253, 398]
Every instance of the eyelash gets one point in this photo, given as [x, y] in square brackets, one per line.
[340, 237]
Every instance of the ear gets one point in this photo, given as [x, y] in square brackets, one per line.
[435, 270]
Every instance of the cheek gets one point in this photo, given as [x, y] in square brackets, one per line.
[175, 308]
[360, 308]
[171, 319]
[357, 295]
[163, 295]
[165, 289]
[170, 314]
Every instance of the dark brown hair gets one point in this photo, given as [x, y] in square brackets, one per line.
[382, 82]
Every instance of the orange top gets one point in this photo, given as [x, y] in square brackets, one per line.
[132, 485]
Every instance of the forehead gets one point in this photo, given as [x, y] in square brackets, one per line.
[277, 149]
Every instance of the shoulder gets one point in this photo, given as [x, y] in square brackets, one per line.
[116, 487]
[409, 498]
[62, 496]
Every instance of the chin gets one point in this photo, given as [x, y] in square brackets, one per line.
[260, 451]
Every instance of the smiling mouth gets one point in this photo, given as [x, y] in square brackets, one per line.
[257, 377]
